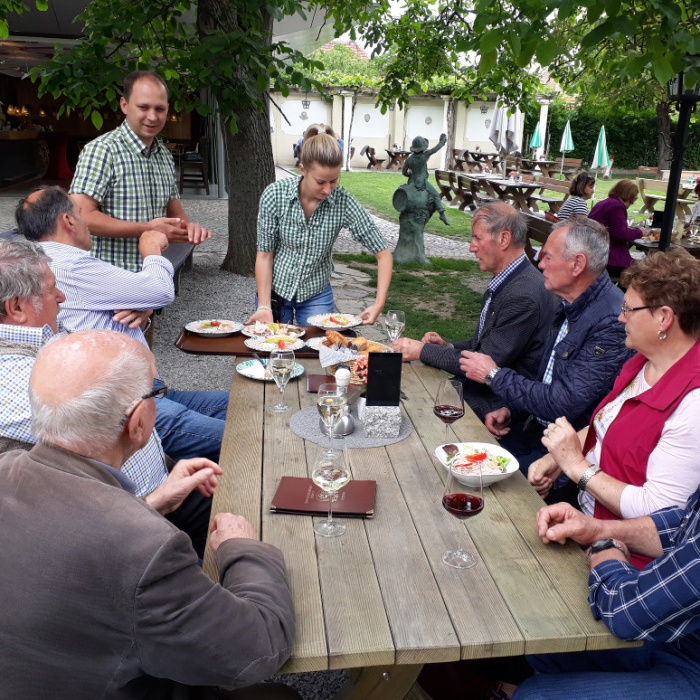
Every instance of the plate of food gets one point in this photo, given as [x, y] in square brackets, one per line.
[254, 370]
[335, 321]
[494, 462]
[315, 343]
[215, 326]
[273, 342]
[269, 329]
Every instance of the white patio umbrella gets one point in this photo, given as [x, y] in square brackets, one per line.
[505, 132]
[601, 158]
[567, 143]
[536, 140]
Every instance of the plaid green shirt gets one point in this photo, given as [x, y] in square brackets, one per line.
[129, 183]
[303, 262]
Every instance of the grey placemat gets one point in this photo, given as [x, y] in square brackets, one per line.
[305, 424]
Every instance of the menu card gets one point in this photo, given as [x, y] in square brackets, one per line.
[300, 496]
[384, 378]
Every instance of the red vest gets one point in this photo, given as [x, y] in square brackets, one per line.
[636, 430]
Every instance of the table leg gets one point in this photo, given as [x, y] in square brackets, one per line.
[379, 683]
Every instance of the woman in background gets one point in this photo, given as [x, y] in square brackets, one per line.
[581, 189]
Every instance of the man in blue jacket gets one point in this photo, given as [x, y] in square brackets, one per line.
[585, 352]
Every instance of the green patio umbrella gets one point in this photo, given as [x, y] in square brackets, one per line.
[536, 140]
[601, 158]
[567, 143]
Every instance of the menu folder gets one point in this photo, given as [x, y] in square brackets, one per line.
[299, 496]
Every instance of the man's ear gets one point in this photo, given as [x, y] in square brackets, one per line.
[15, 311]
[136, 427]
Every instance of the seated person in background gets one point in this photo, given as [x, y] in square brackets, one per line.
[114, 586]
[612, 213]
[584, 352]
[582, 188]
[516, 310]
[658, 605]
[29, 302]
[642, 445]
[101, 296]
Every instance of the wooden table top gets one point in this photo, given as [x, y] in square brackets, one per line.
[380, 595]
[693, 247]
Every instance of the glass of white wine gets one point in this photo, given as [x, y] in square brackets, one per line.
[281, 365]
[330, 474]
[331, 403]
[394, 323]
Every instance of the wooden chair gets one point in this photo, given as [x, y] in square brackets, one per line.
[374, 163]
[444, 180]
[194, 168]
[549, 184]
[538, 229]
[646, 171]
[571, 167]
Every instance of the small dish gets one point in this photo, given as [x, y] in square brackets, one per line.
[274, 342]
[268, 329]
[214, 327]
[315, 343]
[334, 321]
[492, 451]
[254, 370]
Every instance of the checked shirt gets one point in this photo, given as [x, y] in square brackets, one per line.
[302, 261]
[129, 183]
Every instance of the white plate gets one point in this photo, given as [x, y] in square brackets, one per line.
[487, 479]
[323, 321]
[253, 370]
[257, 342]
[250, 331]
[225, 329]
[315, 343]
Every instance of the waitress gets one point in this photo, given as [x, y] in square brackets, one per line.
[298, 222]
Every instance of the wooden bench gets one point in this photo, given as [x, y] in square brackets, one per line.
[445, 182]
[653, 191]
[374, 163]
[571, 166]
[538, 229]
[469, 191]
[549, 184]
[648, 172]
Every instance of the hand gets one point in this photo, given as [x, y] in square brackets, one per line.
[542, 474]
[498, 422]
[443, 139]
[133, 319]
[410, 349]
[562, 521]
[186, 476]
[434, 338]
[563, 443]
[370, 314]
[196, 233]
[152, 243]
[476, 365]
[227, 526]
[262, 315]
[175, 229]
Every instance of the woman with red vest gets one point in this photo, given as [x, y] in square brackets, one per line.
[641, 451]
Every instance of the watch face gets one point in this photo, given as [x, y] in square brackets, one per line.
[602, 545]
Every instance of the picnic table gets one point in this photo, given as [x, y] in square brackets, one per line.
[542, 164]
[397, 159]
[379, 600]
[484, 160]
[650, 247]
[518, 192]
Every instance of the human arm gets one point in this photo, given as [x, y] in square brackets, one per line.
[409, 348]
[133, 319]
[617, 224]
[15, 410]
[186, 476]
[441, 142]
[196, 233]
[385, 267]
[263, 281]
[543, 472]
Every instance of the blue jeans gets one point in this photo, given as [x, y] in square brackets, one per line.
[646, 673]
[191, 423]
[321, 303]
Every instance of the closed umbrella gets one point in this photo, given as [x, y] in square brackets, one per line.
[505, 132]
[536, 140]
[567, 143]
[601, 158]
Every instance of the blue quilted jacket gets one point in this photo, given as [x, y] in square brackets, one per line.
[586, 361]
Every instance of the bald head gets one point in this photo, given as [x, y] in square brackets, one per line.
[81, 386]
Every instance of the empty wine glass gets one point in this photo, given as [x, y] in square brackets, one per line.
[394, 323]
[449, 405]
[463, 500]
[281, 364]
[330, 474]
[331, 404]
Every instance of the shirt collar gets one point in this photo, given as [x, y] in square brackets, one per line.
[124, 481]
[505, 273]
[30, 335]
[136, 143]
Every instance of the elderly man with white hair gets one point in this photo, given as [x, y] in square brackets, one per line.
[98, 574]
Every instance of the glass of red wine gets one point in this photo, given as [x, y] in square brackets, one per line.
[449, 405]
[464, 498]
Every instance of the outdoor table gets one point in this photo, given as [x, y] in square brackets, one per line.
[650, 247]
[543, 165]
[519, 192]
[489, 160]
[397, 159]
[379, 598]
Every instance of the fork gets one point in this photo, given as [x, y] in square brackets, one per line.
[266, 372]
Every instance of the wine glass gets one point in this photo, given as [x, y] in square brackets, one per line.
[449, 405]
[331, 403]
[281, 364]
[463, 500]
[395, 322]
[330, 474]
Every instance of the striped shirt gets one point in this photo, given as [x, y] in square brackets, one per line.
[129, 183]
[574, 206]
[146, 468]
[660, 603]
[303, 262]
[95, 289]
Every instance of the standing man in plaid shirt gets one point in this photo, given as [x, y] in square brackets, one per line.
[125, 179]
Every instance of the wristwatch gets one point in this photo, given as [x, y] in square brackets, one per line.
[587, 476]
[489, 377]
[607, 543]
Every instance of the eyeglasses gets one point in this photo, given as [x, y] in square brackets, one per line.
[158, 392]
[627, 310]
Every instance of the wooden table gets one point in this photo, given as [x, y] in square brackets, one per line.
[650, 247]
[488, 160]
[544, 166]
[518, 192]
[379, 598]
[398, 158]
